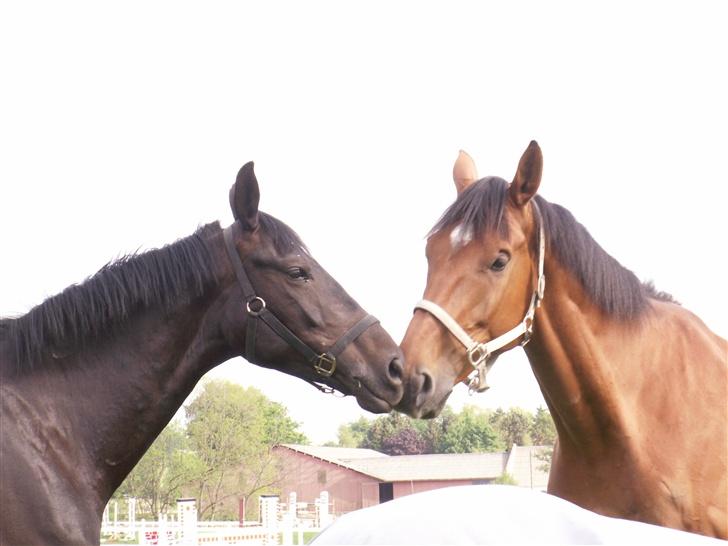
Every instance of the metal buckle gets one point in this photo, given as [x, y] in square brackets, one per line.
[261, 306]
[477, 382]
[529, 331]
[325, 364]
[477, 351]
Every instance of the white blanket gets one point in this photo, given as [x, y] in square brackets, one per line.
[492, 514]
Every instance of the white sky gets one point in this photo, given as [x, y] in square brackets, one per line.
[122, 126]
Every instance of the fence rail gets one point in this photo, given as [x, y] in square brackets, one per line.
[280, 524]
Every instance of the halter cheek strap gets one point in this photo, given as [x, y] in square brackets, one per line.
[323, 363]
[481, 355]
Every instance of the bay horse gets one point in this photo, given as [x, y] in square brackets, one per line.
[635, 383]
[91, 376]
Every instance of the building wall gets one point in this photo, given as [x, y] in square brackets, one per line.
[348, 489]
[527, 468]
[370, 492]
[407, 488]
[370, 489]
[308, 476]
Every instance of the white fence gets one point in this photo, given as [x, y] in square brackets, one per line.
[280, 523]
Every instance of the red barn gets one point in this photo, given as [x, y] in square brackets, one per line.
[357, 478]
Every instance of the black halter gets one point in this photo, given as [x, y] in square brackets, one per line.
[323, 363]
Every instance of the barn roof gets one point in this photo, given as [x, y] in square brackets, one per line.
[520, 462]
[454, 466]
[336, 455]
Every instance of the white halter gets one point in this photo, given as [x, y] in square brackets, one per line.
[481, 355]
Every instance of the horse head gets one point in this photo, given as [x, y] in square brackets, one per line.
[482, 280]
[288, 313]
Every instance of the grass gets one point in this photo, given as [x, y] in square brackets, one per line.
[307, 537]
[121, 538]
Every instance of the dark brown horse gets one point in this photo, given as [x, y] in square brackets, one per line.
[91, 376]
[636, 384]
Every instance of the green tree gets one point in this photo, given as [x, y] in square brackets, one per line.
[468, 432]
[165, 469]
[405, 441]
[545, 456]
[513, 426]
[471, 430]
[394, 434]
[353, 434]
[233, 430]
[449, 432]
[543, 431]
[263, 471]
[433, 430]
[278, 427]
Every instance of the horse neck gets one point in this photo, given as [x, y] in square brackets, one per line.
[569, 355]
[132, 383]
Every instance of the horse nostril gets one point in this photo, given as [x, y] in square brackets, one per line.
[427, 387]
[427, 383]
[396, 370]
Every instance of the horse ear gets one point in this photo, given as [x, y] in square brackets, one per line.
[528, 176]
[464, 172]
[244, 197]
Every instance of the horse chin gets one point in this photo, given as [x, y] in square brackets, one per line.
[370, 401]
[432, 411]
[374, 405]
[427, 409]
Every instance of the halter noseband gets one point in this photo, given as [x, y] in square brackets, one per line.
[480, 355]
[323, 363]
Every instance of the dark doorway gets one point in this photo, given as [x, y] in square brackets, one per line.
[386, 492]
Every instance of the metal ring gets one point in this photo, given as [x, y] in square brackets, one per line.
[480, 352]
[255, 312]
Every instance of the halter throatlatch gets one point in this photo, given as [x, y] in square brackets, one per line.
[481, 355]
[324, 364]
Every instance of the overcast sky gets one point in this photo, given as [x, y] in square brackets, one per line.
[122, 126]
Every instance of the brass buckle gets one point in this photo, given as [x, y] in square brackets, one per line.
[325, 364]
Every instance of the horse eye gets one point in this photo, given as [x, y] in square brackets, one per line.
[500, 262]
[298, 273]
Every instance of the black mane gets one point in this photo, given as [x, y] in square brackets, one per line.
[166, 277]
[612, 287]
[163, 277]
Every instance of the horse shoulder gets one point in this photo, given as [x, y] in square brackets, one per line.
[687, 397]
[39, 473]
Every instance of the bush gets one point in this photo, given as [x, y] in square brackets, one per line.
[505, 479]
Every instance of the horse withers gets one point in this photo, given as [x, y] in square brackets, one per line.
[635, 383]
[91, 376]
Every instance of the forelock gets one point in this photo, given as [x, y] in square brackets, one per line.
[477, 210]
